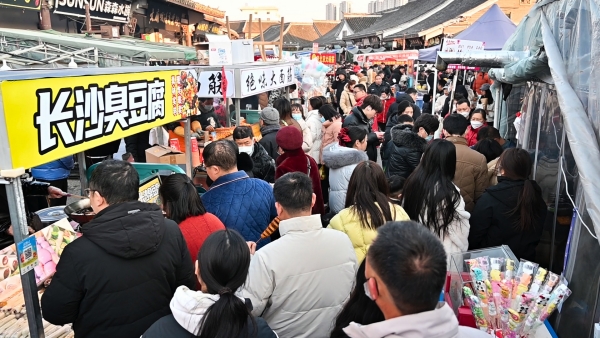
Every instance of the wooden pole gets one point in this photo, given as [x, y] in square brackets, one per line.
[262, 38]
[250, 33]
[281, 39]
[228, 26]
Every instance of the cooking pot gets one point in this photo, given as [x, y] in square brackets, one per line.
[72, 210]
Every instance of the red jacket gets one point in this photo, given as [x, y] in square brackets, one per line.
[296, 161]
[471, 135]
[196, 229]
[480, 79]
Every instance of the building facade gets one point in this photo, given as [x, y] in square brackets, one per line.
[345, 7]
[331, 12]
[265, 13]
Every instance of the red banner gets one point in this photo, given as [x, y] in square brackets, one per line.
[328, 59]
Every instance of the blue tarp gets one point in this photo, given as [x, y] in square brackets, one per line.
[494, 28]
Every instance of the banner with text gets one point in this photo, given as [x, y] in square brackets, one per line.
[260, 80]
[325, 58]
[109, 10]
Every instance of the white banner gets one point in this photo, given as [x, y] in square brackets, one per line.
[457, 45]
[260, 80]
[210, 84]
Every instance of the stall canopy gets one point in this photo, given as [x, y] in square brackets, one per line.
[52, 49]
[494, 28]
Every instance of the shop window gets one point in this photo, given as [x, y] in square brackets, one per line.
[344, 33]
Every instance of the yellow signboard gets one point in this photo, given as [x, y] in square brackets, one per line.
[51, 118]
[149, 191]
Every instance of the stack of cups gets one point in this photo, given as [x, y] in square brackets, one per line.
[195, 153]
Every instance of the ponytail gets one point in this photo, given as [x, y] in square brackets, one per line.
[527, 206]
[227, 317]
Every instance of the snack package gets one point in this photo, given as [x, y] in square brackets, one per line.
[514, 321]
[551, 282]
[534, 315]
[484, 264]
[523, 279]
[559, 295]
[509, 272]
[540, 276]
[476, 308]
[496, 266]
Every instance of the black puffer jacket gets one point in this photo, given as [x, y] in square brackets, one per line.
[358, 119]
[268, 141]
[264, 165]
[405, 152]
[119, 277]
[491, 224]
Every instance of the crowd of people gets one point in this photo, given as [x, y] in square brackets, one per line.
[315, 237]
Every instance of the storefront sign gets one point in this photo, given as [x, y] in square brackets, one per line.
[325, 58]
[211, 84]
[109, 10]
[260, 80]
[27, 4]
[457, 45]
[48, 119]
[167, 17]
[192, 4]
[208, 28]
[27, 253]
[149, 191]
[388, 58]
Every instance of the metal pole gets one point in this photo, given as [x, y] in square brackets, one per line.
[227, 114]
[18, 218]
[464, 77]
[454, 81]
[498, 108]
[187, 134]
[237, 103]
[539, 129]
[557, 198]
[82, 172]
[435, 81]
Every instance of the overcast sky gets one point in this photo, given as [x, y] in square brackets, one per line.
[291, 10]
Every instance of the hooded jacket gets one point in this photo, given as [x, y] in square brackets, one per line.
[348, 222]
[404, 151]
[300, 282]
[471, 172]
[493, 225]
[341, 162]
[297, 161]
[189, 308]
[268, 141]
[347, 100]
[439, 323]
[263, 165]
[242, 203]
[316, 133]
[119, 277]
[358, 119]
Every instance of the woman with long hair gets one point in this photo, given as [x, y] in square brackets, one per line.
[477, 120]
[284, 108]
[359, 308]
[182, 204]
[347, 99]
[315, 126]
[215, 310]
[512, 212]
[491, 150]
[487, 103]
[341, 159]
[432, 199]
[367, 207]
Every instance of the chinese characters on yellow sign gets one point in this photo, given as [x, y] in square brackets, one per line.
[324, 58]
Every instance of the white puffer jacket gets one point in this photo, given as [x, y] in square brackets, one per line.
[316, 132]
[341, 162]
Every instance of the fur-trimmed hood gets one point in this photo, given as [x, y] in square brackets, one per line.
[403, 136]
[336, 156]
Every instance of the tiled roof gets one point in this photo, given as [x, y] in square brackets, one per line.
[361, 23]
[401, 15]
[256, 27]
[324, 27]
[452, 11]
[331, 36]
[272, 33]
[237, 26]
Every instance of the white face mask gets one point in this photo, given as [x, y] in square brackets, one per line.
[476, 124]
[466, 115]
[297, 117]
[247, 149]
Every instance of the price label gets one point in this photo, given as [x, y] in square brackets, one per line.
[28, 256]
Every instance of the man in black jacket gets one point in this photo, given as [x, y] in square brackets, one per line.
[269, 126]
[378, 87]
[362, 116]
[263, 165]
[119, 277]
[208, 119]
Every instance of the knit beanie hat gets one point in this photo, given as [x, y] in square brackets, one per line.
[289, 138]
[270, 116]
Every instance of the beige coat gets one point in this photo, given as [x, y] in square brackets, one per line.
[492, 171]
[347, 101]
[471, 175]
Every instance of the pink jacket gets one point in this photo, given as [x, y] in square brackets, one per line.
[439, 323]
[330, 135]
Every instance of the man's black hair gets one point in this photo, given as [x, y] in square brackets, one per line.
[405, 118]
[374, 101]
[463, 101]
[294, 192]
[293, 87]
[116, 181]
[242, 132]
[488, 132]
[410, 91]
[442, 82]
[455, 124]
[361, 87]
[355, 63]
[428, 122]
[411, 262]
[396, 183]
[222, 153]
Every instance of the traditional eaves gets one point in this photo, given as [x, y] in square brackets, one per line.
[399, 16]
[256, 27]
[237, 26]
[331, 36]
[324, 27]
[451, 12]
[358, 24]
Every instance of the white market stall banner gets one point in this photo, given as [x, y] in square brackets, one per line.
[210, 83]
[260, 80]
[458, 45]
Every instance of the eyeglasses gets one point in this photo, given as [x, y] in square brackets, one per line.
[88, 191]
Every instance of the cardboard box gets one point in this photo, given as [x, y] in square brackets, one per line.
[163, 154]
[243, 51]
[219, 50]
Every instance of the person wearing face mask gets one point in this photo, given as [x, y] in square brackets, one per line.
[208, 119]
[478, 120]
[263, 165]
[388, 99]
[362, 116]
[408, 144]
[315, 126]
[298, 116]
